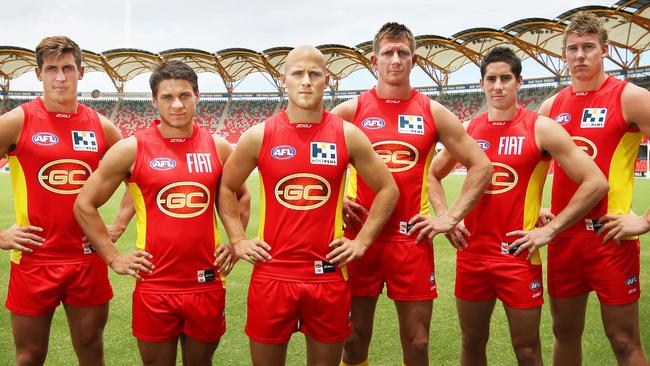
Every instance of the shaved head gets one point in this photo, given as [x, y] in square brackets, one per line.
[305, 53]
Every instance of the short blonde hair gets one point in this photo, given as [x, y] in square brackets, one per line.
[585, 23]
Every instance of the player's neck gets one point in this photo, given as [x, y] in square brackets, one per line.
[589, 85]
[300, 115]
[67, 107]
[387, 91]
[168, 131]
[508, 114]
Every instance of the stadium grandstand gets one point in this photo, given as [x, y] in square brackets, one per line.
[232, 112]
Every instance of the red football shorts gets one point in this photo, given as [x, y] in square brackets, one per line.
[406, 268]
[577, 266]
[277, 309]
[159, 317]
[35, 290]
[518, 284]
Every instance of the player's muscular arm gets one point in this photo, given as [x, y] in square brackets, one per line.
[23, 238]
[545, 108]
[352, 211]
[101, 185]
[243, 195]
[554, 140]
[635, 102]
[112, 135]
[441, 165]
[375, 173]
[237, 168]
[463, 149]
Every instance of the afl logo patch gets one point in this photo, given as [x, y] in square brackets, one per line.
[563, 118]
[483, 144]
[535, 285]
[283, 152]
[162, 164]
[45, 138]
[373, 123]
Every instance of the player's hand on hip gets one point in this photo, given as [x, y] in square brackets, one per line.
[225, 258]
[132, 264]
[17, 237]
[530, 240]
[430, 226]
[345, 250]
[114, 233]
[254, 250]
[352, 214]
[456, 236]
[545, 216]
[621, 226]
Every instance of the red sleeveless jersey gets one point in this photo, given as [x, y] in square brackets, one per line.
[54, 157]
[513, 198]
[404, 135]
[302, 170]
[173, 188]
[595, 121]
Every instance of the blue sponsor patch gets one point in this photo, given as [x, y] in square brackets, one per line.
[373, 123]
[162, 164]
[45, 138]
[563, 118]
[283, 152]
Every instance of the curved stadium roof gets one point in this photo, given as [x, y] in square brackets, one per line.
[628, 23]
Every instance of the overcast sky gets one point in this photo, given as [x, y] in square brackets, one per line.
[215, 25]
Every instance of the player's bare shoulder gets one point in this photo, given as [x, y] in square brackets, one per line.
[346, 110]
[111, 132]
[11, 125]
[545, 108]
[635, 104]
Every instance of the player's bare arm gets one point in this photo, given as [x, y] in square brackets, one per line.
[352, 211]
[126, 210]
[23, 238]
[441, 165]
[375, 173]
[113, 169]
[238, 167]
[554, 140]
[224, 258]
[636, 111]
[545, 214]
[479, 170]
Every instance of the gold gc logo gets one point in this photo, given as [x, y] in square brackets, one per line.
[398, 156]
[64, 176]
[183, 199]
[586, 146]
[504, 179]
[302, 191]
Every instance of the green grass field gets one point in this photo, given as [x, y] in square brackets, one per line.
[120, 346]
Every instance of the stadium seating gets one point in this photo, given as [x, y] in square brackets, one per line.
[134, 115]
[245, 113]
[463, 105]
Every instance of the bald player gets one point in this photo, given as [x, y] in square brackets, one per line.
[299, 279]
[403, 126]
[607, 118]
[493, 262]
[173, 169]
[53, 144]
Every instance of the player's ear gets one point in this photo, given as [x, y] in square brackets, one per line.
[81, 72]
[38, 73]
[414, 60]
[327, 80]
[283, 80]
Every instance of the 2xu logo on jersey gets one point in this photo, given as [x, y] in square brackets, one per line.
[183, 199]
[64, 176]
[398, 156]
[302, 191]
